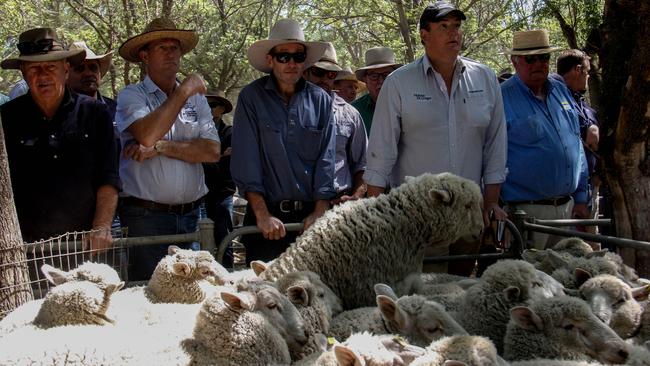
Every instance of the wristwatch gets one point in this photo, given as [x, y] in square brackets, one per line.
[156, 146]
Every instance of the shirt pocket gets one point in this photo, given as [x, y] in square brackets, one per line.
[309, 143]
[526, 130]
[271, 139]
[475, 108]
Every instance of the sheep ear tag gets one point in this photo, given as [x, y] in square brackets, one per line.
[181, 269]
[440, 196]
[298, 295]
[54, 275]
[346, 356]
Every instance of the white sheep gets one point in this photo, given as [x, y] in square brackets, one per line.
[562, 327]
[382, 239]
[255, 326]
[185, 276]
[75, 303]
[615, 303]
[460, 350]
[485, 307]
[99, 273]
[414, 317]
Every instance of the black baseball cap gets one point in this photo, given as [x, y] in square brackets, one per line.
[437, 12]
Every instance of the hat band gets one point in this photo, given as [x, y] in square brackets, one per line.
[531, 48]
[381, 62]
[328, 60]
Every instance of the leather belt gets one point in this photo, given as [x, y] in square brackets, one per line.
[180, 209]
[287, 206]
[559, 201]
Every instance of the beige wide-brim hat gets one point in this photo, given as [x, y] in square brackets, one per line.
[38, 39]
[104, 60]
[376, 58]
[157, 29]
[329, 61]
[284, 31]
[220, 97]
[347, 74]
[532, 42]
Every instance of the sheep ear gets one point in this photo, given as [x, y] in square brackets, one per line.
[181, 269]
[383, 289]
[454, 363]
[54, 275]
[526, 318]
[512, 293]
[440, 195]
[298, 295]
[581, 276]
[238, 300]
[113, 287]
[345, 356]
[391, 311]
[258, 267]
[406, 352]
[172, 249]
[641, 293]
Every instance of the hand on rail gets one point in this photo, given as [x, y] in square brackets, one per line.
[272, 228]
[98, 241]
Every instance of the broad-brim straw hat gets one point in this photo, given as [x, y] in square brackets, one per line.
[532, 42]
[157, 29]
[220, 97]
[329, 61]
[42, 44]
[284, 31]
[347, 74]
[104, 60]
[376, 58]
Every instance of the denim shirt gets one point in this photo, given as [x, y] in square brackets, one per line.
[545, 155]
[284, 151]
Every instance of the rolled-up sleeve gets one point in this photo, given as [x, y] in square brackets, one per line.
[325, 166]
[384, 135]
[132, 105]
[208, 129]
[495, 146]
[245, 162]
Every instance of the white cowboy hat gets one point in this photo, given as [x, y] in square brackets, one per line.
[329, 61]
[376, 58]
[42, 44]
[532, 42]
[284, 31]
[347, 74]
[104, 60]
[159, 28]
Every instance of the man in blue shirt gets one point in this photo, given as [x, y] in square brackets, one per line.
[283, 142]
[547, 168]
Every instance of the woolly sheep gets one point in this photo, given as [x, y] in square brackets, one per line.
[561, 328]
[573, 246]
[639, 356]
[252, 273]
[414, 317]
[185, 276]
[99, 273]
[615, 303]
[460, 350]
[255, 326]
[382, 239]
[485, 306]
[73, 303]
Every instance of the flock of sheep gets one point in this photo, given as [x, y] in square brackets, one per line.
[348, 292]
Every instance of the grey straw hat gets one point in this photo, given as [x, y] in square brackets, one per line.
[532, 42]
[104, 60]
[376, 58]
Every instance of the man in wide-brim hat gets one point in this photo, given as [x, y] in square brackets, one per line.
[380, 62]
[283, 141]
[166, 131]
[60, 146]
[347, 85]
[547, 168]
[86, 76]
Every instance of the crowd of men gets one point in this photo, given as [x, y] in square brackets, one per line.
[301, 140]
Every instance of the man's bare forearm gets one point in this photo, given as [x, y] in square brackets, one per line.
[105, 206]
[152, 127]
[191, 151]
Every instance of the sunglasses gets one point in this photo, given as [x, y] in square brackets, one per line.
[319, 73]
[530, 59]
[92, 67]
[284, 57]
[377, 76]
[40, 46]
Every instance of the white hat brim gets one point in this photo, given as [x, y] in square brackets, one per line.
[258, 50]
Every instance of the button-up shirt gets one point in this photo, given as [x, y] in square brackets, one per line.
[162, 179]
[545, 156]
[58, 164]
[284, 150]
[366, 108]
[351, 143]
[418, 128]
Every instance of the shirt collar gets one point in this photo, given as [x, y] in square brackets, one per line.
[426, 65]
[271, 84]
[151, 87]
[521, 85]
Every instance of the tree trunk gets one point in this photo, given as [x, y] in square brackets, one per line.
[14, 277]
[624, 115]
[405, 30]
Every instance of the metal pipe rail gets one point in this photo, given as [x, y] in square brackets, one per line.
[574, 222]
[621, 242]
[245, 230]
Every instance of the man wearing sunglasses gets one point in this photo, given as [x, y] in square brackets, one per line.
[547, 167]
[351, 139]
[86, 77]
[440, 113]
[283, 141]
[60, 146]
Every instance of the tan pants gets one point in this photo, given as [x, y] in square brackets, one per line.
[545, 212]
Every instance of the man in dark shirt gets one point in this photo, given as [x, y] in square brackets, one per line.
[86, 77]
[60, 146]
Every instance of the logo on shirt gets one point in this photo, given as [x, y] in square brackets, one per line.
[566, 105]
[422, 97]
[188, 113]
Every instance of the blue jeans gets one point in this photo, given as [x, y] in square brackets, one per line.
[221, 214]
[150, 222]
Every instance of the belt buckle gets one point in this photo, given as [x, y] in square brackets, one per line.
[283, 204]
[297, 205]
